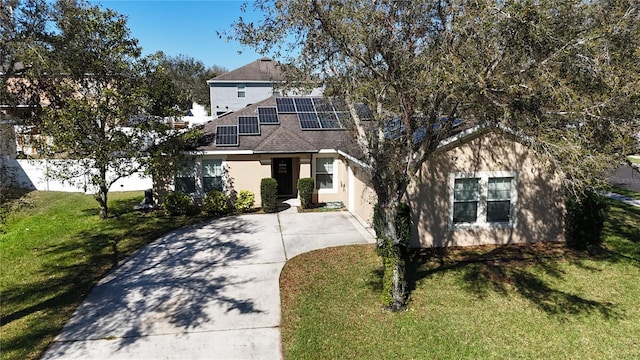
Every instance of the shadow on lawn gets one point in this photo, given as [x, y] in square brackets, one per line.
[523, 268]
[171, 277]
[513, 268]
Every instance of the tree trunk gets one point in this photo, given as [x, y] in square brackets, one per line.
[102, 200]
[392, 248]
[103, 191]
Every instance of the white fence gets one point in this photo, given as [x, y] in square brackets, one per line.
[32, 174]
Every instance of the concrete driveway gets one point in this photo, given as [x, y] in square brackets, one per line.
[205, 292]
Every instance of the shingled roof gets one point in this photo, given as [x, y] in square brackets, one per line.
[264, 69]
[285, 137]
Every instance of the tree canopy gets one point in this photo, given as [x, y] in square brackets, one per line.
[565, 75]
[80, 70]
[189, 75]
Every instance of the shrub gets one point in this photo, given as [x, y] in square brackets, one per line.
[215, 203]
[305, 189]
[176, 203]
[245, 201]
[585, 218]
[269, 194]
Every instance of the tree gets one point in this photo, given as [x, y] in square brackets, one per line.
[23, 40]
[189, 75]
[98, 100]
[564, 75]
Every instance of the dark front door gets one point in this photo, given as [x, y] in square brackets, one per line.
[282, 172]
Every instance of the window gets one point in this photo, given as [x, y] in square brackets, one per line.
[483, 199]
[499, 199]
[242, 91]
[324, 173]
[466, 196]
[212, 175]
[185, 181]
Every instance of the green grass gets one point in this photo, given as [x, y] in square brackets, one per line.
[625, 192]
[53, 250]
[519, 302]
[635, 159]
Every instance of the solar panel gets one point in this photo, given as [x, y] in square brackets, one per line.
[322, 104]
[285, 105]
[329, 120]
[248, 125]
[308, 120]
[364, 112]
[268, 115]
[227, 135]
[304, 105]
[344, 118]
[339, 105]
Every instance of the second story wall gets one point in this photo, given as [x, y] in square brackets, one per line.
[226, 97]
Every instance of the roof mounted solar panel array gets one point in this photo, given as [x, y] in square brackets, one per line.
[329, 120]
[248, 125]
[268, 115]
[227, 135]
[285, 105]
[309, 120]
[304, 104]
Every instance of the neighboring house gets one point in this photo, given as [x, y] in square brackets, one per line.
[481, 186]
[7, 138]
[196, 116]
[246, 85]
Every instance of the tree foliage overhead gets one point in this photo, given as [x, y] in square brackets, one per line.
[564, 75]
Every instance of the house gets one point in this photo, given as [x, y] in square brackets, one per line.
[286, 138]
[484, 186]
[247, 85]
[481, 186]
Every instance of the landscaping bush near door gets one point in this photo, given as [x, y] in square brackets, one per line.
[176, 203]
[215, 203]
[269, 194]
[305, 190]
[245, 201]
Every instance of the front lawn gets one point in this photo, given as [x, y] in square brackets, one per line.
[540, 301]
[53, 250]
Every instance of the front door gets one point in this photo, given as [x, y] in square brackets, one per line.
[282, 172]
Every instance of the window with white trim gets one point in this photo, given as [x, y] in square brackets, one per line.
[212, 175]
[324, 173]
[499, 199]
[242, 90]
[185, 180]
[483, 199]
[466, 195]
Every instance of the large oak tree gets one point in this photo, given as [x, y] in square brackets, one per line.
[565, 75]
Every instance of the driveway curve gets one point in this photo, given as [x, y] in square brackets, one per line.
[209, 291]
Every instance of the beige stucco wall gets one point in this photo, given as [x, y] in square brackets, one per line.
[246, 173]
[340, 191]
[539, 208]
[364, 197]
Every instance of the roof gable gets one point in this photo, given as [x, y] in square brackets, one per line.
[265, 70]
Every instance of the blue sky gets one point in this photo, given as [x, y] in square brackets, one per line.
[186, 27]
